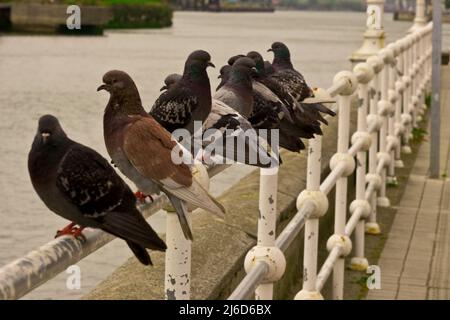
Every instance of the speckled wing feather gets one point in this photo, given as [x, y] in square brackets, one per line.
[173, 109]
[89, 182]
[294, 82]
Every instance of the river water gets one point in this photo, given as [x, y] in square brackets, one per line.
[59, 75]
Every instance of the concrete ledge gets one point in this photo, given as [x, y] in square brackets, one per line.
[219, 247]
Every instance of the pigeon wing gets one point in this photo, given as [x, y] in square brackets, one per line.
[173, 109]
[89, 182]
[149, 148]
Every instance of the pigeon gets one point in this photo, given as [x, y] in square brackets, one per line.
[235, 130]
[267, 110]
[233, 59]
[190, 99]
[170, 80]
[302, 122]
[80, 185]
[146, 153]
[237, 90]
[223, 76]
[285, 74]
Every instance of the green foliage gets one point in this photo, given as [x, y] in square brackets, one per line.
[150, 15]
[418, 134]
[428, 100]
[325, 4]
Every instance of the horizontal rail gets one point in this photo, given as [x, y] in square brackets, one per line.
[38, 266]
[258, 272]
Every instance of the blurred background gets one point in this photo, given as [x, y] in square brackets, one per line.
[44, 69]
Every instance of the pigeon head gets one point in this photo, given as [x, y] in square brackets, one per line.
[117, 82]
[196, 64]
[233, 59]
[259, 61]
[280, 50]
[224, 75]
[49, 131]
[123, 91]
[241, 71]
[170, 80]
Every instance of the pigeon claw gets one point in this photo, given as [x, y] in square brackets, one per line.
[142, 198]
[66, 230]
[77, 234]
[72, 230]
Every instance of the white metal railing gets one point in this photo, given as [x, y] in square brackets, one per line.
[390, 91]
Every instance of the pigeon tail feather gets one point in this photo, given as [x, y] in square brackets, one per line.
[140, 253]
[195, 194]
[181, 210]
[133, 228]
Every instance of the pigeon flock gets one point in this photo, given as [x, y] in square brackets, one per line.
[254, 97]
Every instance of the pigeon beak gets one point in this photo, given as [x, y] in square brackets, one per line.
[270, 50]
[45, 136]
[103, 87]
[210, 64]
[219, 77]
[163, 88]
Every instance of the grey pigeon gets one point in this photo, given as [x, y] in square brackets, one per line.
[78, 184]
[223, 76]
[170, 80]
[237, 90]
[235, 130]
[142, 150]
[189, 99]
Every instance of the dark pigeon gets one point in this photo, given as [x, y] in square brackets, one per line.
[142, 149]
[243, 93]
[232, 126]
[190, 99]
[293, 81]
[233, 59]
[78, 184]
[302, 122]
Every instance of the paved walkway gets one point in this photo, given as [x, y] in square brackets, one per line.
[415, 262]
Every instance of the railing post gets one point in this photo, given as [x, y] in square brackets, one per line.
[435, 113]
[265, 250]
[320, 201]
[374, 35]
[420, 19]
[359, 261]
[393, 96]
[384, 108]
[339, 238]
[407, 79]
[400, 89]
[177, 284]
[374, 120]
[267, 221]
